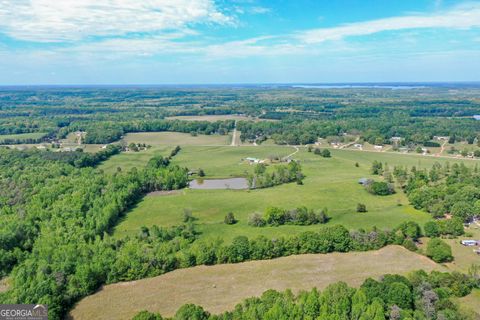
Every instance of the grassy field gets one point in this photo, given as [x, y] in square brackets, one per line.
[223, 162]
[22, 136]
[330, 183]
[3, 285]
[176, 139]
[471, 303]
[464, 256]
[162, 143]
[128, 160]
[221, 287]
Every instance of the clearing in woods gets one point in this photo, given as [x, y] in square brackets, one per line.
[330, 182]
[219, 288]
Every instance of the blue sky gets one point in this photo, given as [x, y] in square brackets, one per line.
[237, 41]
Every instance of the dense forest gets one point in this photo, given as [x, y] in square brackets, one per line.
[54, 222]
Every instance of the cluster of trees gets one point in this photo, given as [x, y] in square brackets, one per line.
[447, 227]
[324, 153]
[136, 147]
[279, 174]
[417, 296]
[444, 189]
[275, 216]
[379, 188]
[439, 251]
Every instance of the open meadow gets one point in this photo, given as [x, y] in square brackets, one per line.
[219, 288]
[161, 144]
[330, 183]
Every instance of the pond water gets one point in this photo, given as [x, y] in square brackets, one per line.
[231, 183]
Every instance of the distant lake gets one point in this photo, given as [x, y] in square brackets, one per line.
[348, 86]
[231, 183]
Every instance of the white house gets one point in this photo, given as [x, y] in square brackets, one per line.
[252, 160]
[470, 243]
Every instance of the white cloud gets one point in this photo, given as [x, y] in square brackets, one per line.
[70, 20]
[462, 17]
[259, 10]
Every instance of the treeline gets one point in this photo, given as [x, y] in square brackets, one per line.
[278, 174]
[106, 132]
[419, 295]
[76, 158]
[416, 131]
[275, 216]
[138, 255]
[10, 141]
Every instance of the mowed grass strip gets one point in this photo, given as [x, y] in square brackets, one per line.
[176, 138]
[22, 136]
[219, 288]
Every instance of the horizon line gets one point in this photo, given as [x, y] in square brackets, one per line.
[241, 83]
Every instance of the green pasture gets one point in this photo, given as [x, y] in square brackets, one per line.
[22, 136]
[330, 183]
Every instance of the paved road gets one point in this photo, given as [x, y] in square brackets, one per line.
[234, 136]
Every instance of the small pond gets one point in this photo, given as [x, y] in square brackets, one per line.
[231, 183]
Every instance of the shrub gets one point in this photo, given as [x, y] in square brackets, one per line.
[230, 218]
[187, 215]
[380, 188]
[409, 244]
[326, 153]
[439, 251]
[256, 220]
[361, 207]
[410, 229]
